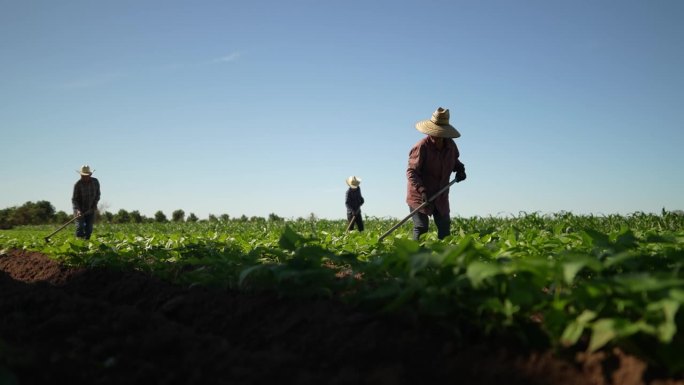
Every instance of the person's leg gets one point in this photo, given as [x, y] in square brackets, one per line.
[420, 224]
[89, 221]
[443, 223]
[80, 227]
[359, 222]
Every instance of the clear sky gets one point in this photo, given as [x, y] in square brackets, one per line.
[258, 107]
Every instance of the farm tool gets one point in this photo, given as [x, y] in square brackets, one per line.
[351, 223]
[47, 239]
[427, 202]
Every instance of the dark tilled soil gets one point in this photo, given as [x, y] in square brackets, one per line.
[66, 325]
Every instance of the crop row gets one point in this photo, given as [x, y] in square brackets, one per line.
[572, 282]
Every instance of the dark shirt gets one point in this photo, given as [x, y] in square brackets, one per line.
[353, 200]
[86, 195]
[429, 170]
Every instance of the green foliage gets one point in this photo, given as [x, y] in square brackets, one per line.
[30, 213]
[122, 216]
[582, 282]
[160, 217]
[178, 216]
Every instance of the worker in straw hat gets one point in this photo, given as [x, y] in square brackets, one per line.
[84, 200]
[354, 200]
[430, 164]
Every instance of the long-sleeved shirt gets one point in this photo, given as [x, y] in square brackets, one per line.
[353, 200]
[86, 195]
[428, 171]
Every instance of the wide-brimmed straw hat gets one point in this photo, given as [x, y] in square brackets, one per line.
[85, 170]
[438, 125]
[353, 181]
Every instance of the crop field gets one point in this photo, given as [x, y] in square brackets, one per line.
[599, 296]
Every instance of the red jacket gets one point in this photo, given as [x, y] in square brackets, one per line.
[429, 170]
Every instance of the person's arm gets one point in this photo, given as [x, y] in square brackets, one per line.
[459, 167]
[76, 199]
[347, 200]
[96, 200]
[413, 171]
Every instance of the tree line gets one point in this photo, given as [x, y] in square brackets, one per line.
[43, 212]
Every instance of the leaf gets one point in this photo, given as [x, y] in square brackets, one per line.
[677, 295]
[574, 330]
[254, 270]
[575, 265]
[418, 263]
[603, 332]
[405, 247]
[643, 282]
[596, 238]
[606, 330]
[478, 271]
[289, 240]
[668, 328]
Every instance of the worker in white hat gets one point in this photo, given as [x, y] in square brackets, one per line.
[354, 200]
[84, 199]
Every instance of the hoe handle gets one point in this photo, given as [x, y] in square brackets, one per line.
[62, 227]
[427, 202]
[349, 226]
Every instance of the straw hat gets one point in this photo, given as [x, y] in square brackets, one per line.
[85, 170]
[353, 182]
[438, 125]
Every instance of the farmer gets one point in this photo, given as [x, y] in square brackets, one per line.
[84, 200]
[431, 162]
[354, 201]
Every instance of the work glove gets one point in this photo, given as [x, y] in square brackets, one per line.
[460, 176]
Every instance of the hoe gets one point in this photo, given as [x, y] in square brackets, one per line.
[47, 239]
[427, 202]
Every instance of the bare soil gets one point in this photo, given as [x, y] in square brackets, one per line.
[100, 326]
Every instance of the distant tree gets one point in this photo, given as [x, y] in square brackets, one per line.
[225, 217]
[44, 212]
[274, 218]
[6, 219]
[136, 217]
[122, 216]
[31, 213]
[107, 217]
[178, 216]
[192, 218]
[160, 217]
[61, 217]
[212, 218]
[244, 218]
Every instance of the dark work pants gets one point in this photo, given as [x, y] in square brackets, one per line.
[421, 223]
[358, 221]
[84, 226]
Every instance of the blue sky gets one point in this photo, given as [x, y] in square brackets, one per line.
[259, 107]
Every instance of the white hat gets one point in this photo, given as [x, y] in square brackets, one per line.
[85, 170]
[438, 125]
[353, 182]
